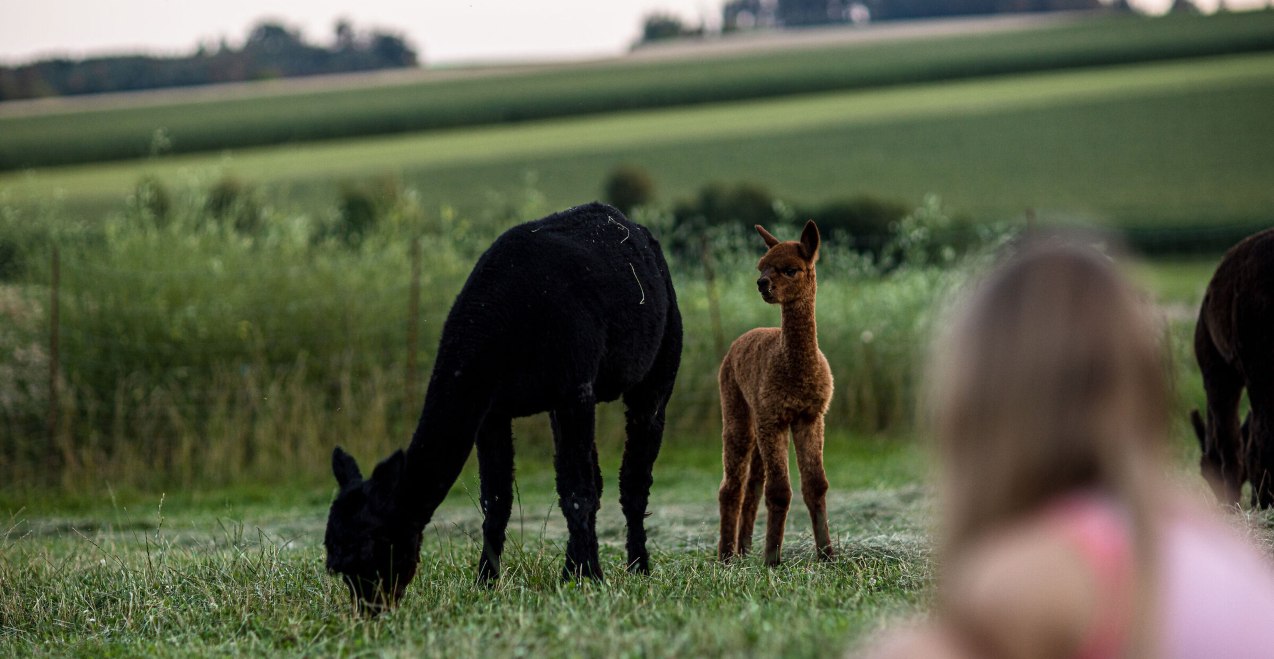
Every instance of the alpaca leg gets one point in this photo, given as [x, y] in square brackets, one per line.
[772, 443]
[808, 436]
[1223, 457]
[575, 462]
[495, 469]
[736, 442]
[645, 410]
[751, 500]
[1260, 441]
[734, 463]
[645, 428]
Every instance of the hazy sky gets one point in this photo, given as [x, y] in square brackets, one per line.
[443, 30]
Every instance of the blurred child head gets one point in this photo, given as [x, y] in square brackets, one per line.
[1050, 380]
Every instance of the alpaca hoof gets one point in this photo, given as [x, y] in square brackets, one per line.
[772, 559]
[639, 565]
[827, 554]
[488, 575]
[582, 572]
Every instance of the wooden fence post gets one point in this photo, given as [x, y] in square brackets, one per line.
[54, 357]
[413, 325]
[714, 302]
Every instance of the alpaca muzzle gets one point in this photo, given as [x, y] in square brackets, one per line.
[764, 285]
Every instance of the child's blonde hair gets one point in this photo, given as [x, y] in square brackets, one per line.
[1050, 380]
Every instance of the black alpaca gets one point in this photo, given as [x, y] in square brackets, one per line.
[1234, 343]
[559, 314]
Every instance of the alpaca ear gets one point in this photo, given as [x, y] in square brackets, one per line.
[390, 468]
[1199, 429]
[769, 238]
[344, 468]
[809, 242]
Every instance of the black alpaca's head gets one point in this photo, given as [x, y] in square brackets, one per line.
[369, 544]
[1211, 460]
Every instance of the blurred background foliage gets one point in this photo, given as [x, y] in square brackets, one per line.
[228, 314]
[213, 338]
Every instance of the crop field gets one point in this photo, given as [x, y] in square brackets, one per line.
[49, 139]
[1177, 144]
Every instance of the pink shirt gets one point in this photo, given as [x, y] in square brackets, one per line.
[1218, 593]
[1214, 591]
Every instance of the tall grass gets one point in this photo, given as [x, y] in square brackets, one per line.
[199, 350]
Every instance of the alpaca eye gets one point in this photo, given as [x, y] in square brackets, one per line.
[791, 272]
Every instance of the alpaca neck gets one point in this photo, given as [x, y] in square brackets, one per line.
[455, 405]
[799, 330]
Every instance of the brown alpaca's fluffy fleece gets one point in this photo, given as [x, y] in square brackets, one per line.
[775, 381]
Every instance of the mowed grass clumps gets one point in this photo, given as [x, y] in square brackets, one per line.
[241, 578]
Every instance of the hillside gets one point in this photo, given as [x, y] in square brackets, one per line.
[251, 116]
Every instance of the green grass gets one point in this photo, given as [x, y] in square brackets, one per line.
[130, 559]
[176, 576]
[1180, 144]
[194, 354]
[239, 572]
[1180, 281]
[271, 119]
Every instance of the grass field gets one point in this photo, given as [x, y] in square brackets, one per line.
[1181, 144]
[237, 569]
[128, 132]
[241, 573]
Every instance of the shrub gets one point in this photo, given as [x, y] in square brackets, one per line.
[362, 206]
[150, 201]
[864, 223]
[359, 212]
[662, 26]
[236, 204]
[740, 204]
[627, 187]
[24, 376]
[10, 259]
[932, 235]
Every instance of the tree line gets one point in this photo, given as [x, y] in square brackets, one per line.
[272, 50]
[739, 15]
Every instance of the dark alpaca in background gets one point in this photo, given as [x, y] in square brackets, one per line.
[1234, 343]
[559, 314]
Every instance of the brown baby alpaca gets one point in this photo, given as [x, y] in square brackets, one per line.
[775, 381]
